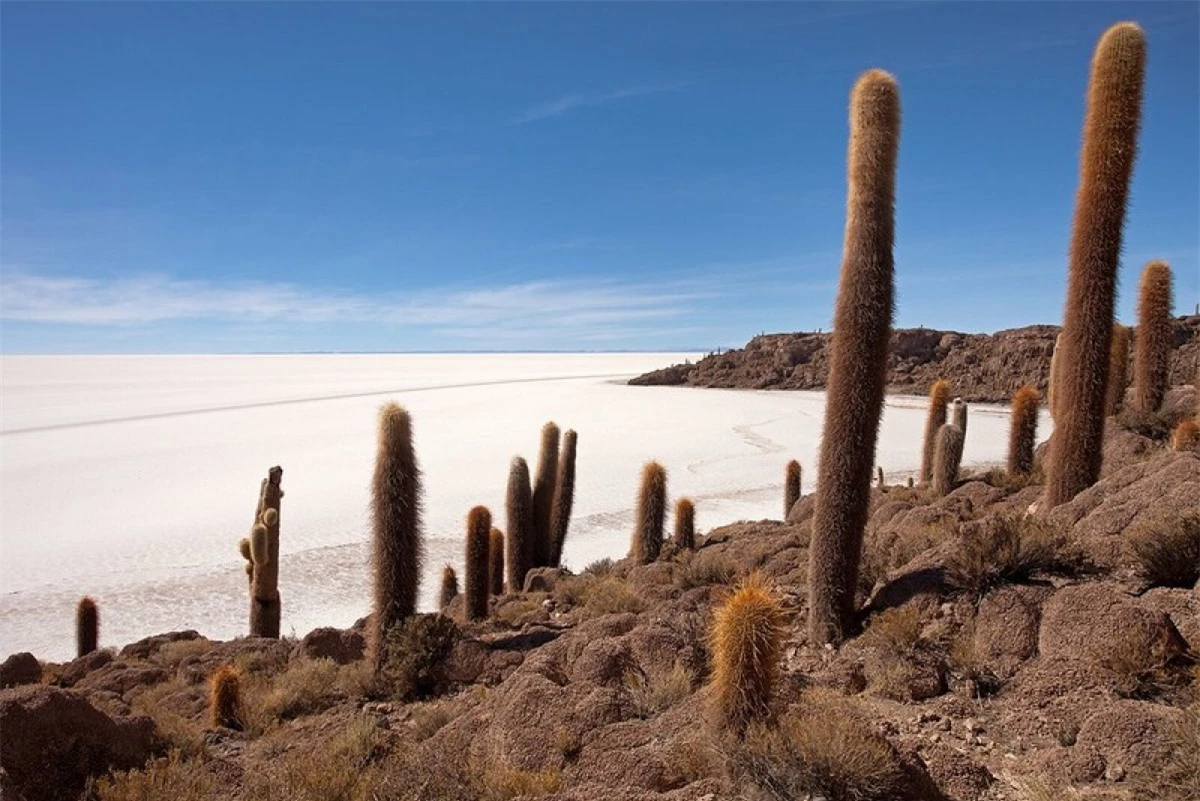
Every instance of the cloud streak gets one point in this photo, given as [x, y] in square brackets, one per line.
[569, 102]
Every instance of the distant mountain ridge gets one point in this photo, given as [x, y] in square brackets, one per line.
[984, 368]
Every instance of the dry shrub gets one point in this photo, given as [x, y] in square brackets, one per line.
[1166, 551]
[171, 777]
[601, 567]
[1180, 778]
[308, 686]
[885, 552]
[414, 651]
[171, 654]
[428, 719]
[598, 595]
[966, 661]
[181, 733]
[517, 610]
[819, 747]
[896, 631]
[1000, 478]
[1152, 425]
[701, 568]
[1146, 661]
[691, 760]
[657, 691]
[504, 782]
[345, 767]
[1011, 549]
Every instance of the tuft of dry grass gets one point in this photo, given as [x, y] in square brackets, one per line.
[504, 782]
[885, 552]
[1181, 776]
[1166, 551]
[181, 733]
[820, 747]
[171, 777]
[654, 693]
[597, 595]
[428, 719]
[346, 767]
[896, 631]
[308, 686]
[701, 568]
[1145, 660]
[1011, 549]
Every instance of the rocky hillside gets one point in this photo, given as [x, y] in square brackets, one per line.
[981, 367]
[1002, 657]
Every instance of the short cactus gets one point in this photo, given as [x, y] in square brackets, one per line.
[449, 589]
[1114, 106]
[651, 514]
[958, 415]
[939, 396]
[543, 496]
[1023, 431]
[479, 535]
[1152, 345]
[87, 627]
[1118, 370]
[396, 528]
[879, 478]
[746, 641]
[518, 553]
[496, 562]
[791, 486]
[858, 359]
[947, 457]
[564, 497]
[225, 698]
[261, 552]
[685, 525]
[1186, 435]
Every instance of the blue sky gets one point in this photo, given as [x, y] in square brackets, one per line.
[226, 177]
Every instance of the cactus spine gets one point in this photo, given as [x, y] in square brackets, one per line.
[791, 487]
[939, 396]
[858, 363]
[225, 699]
[261, 552]
[1118, 370]
[87, 627]
[518, 553]
[1023, 431]
[685, 525]
[746, 643]
[396, 527]
[449, 588]
[479, 537]
[1152, 346]
[564, 498]
[543, 496]
[1106, 165]
[947, 457]
[651, 514]
[496, 562]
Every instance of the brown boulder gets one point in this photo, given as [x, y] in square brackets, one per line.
[1097, 622]
[544, 579]
[1131, 734]
[63, 740]
[1006, 627]
[119, 678]
[341, 645]
[76, 669]
[20, 668]
[147, 648]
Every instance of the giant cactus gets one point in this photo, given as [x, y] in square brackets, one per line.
[261, 552]
[87, 627]
[1152, 346]
[519, 548]
[479, 531]
[543, 496]
[939, 396]
[651, 514]
[564, 497]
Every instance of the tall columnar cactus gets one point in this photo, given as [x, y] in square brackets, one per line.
[880, 480]
[746, 641]
[87, 627]
[1152, 356]
[518, 552]
[939, 396]
[225, 698]
[398, 548]
[479, 537]
[261, 552]
[543, 496]
[564, 497]
[791, 486]
[449, 589]
[1023, 431]
[1106, 164]
[858, 362]
[947, 457]
[958, 415]
[496, 562]
[1052, 392]
[1118, 370]
[685, 525]
[651, 514]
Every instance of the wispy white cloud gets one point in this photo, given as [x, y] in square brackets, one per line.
[582, 309]
[561, 105]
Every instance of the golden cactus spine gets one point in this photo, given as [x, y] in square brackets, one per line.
[685, 525]
[1118, 370]
[791, 486]
[1023, 431]
[651, 514]
[87, 627]
[518, 553]
[225, 698]
[858, 359]
[496, 562]
[939, 396]
[746, 641]
[1152, 345]
[543, 496]
[449, 588]
[564, 497]
[398, 549]
[261, 552]
[479, 537]
[1106, 165]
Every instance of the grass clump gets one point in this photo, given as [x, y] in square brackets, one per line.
[307, 687]
[657, 691]
[172, 777]
[346, 767]
[1166, 551]
[415, 651]
[599, 594]
[1011, 549]
[701, 568]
